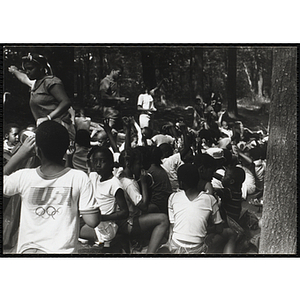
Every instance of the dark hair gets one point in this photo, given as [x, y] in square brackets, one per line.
[37, 59]
[82, 138]
[166, 149]
[156, 156]
[255, 153]
[237, 174]
[9, 126]
[146, 156]
[129, 156]
[100, 149]
[148, 132]
[53, 140]
[205, 160]
[188, 174]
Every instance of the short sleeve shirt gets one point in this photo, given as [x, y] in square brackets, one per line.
[105, 192]
[190, 218]
[133, 195]
[42, 103]
[50, 208]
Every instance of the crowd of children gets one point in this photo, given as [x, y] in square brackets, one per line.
[179, 190]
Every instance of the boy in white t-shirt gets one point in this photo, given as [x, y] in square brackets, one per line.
[109, 195]
[146, 106]
[190, 211]
[52, 195]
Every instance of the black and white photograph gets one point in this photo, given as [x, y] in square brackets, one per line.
[160, 150]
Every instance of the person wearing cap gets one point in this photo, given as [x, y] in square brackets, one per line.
[48, 98]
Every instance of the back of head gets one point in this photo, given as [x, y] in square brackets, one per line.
[148, 132]
[53, 140]
[156, 156]
[237, 174]
[204, 160]
[166, 149]
[189, 175]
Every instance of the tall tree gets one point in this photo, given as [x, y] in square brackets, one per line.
[199, 90]
[148, 69]
[279, 219]
[231, 83]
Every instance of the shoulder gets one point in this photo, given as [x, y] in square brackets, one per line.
[208, 198]
[52, 79]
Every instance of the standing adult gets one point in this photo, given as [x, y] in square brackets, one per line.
[110, 95]
[48, 98]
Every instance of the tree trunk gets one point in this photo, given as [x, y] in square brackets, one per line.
[199, 72]
[148, 69]
[279, 219]
[260, 83]
[231, 84]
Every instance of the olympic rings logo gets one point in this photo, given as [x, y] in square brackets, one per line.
[48, 212]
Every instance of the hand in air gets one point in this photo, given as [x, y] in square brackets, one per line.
[28, 147]
[143, 176]
[12, 69]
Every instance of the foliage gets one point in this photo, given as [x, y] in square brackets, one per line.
[81, 69]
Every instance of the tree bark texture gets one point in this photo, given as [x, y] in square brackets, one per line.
[231, 83]
[279, 218]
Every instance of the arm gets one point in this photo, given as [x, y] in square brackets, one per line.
[139, 133]
[216, 228]
[123, 212]
[112, 100]
[21, 76]
[110, 136]
[186, 143]
[25, 152]
[143, 204]
[157, 88]
[127, 128]
[92, 219]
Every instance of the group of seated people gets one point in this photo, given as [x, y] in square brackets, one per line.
[179, 190]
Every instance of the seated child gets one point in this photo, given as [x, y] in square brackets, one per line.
[161, 188]
[11, 140]
[163, 137]
[140, 221]
[206, 167]
[52, 195]
[231, 194]
[189, 212]
[109, 195]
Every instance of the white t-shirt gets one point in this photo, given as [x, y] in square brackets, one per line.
[133, 195]
[248, 186]
[190, 218]
[162, 138]
[50, 208]
[146, 101]
[171, 165]
[216, 183]
[105, 192]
